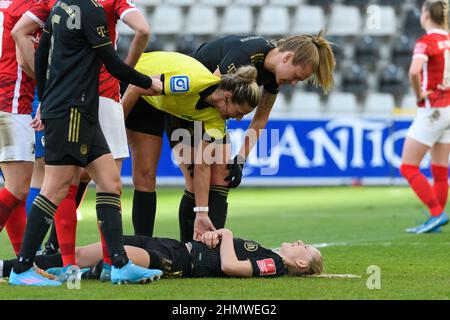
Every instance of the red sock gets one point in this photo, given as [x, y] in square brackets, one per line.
[421, 187]
[106, 257]
[66, 226]
[7, 205]
[440, 177]
[15, 226]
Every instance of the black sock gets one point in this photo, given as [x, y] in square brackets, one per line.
[7, 267]
[186, 216]
[144, 212]
[109, 216]
[218, 206]
[80, 192]
[39, 221]
[52, 241]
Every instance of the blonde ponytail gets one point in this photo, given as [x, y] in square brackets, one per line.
[243, 85]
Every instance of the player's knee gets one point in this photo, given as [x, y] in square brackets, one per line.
[145, 181]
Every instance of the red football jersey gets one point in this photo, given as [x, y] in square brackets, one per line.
[16, 88]
[435, 48]
[115, 10]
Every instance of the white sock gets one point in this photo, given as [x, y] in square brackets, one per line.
[1, 268]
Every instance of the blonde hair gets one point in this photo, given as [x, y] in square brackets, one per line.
[243, 85]
[438, 10]
[314, 50]
[315, 266]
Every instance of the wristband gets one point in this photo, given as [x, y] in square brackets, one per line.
[201, 209]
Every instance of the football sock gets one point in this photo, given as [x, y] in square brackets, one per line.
[440, 186]
[110, 219]
[66, 226]
[105, 252]
[43, 262]
[421, 187]
[218, 205]
[8, 202]
[144, 212]
[186, 216]
[80, 192]
[52, 241]
[15, 226]
[39, 221]
[32, 194]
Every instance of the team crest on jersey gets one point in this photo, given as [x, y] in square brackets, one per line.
[267, 267]
[179, 84]
[250, 246]
[83, 149]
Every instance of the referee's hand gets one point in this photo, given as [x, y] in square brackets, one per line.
[202, 224]
[156, 89]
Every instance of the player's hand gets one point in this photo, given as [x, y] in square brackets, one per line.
[211, 239]
[235, 168]
[423, 95]
[36, 123]
[156, 89]
[202, 224]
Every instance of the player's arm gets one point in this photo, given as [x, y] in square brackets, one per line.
[41, 62]
[258, 123]
[230, 264]
[415, 71]
[95, 30]
[21, 34]
[201, 181]
[136, 21]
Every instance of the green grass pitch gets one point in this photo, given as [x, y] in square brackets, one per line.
[364, 225]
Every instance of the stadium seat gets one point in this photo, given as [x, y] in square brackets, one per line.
[237, 20]
[341, 104]
[367, 50]
[148, 3]
[358, 3]
[250, 3]
[156, 44]
[402, 48]
[306, 104]
[273, 21]
[381, 21]
[338, 46]
[186, 44]
[379, 104]
[201, 20]
[322, 3]
[344, 21]
[181, 3]
[408, 102]
[354, 80]
[392, 79]
[215, 3]
[412, 26]
[308, 20]
[286, 3]
[392, 3]
[167, 20]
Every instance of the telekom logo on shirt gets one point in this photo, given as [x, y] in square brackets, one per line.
[266, 267]
[4, 4]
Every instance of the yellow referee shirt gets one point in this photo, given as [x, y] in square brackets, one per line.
[186, 81]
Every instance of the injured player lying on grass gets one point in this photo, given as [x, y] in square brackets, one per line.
[218, 254]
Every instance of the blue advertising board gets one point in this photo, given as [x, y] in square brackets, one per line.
[332, 151]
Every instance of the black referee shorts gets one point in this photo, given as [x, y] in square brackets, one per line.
[173, 123]
[145, 118]
[73, 140]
